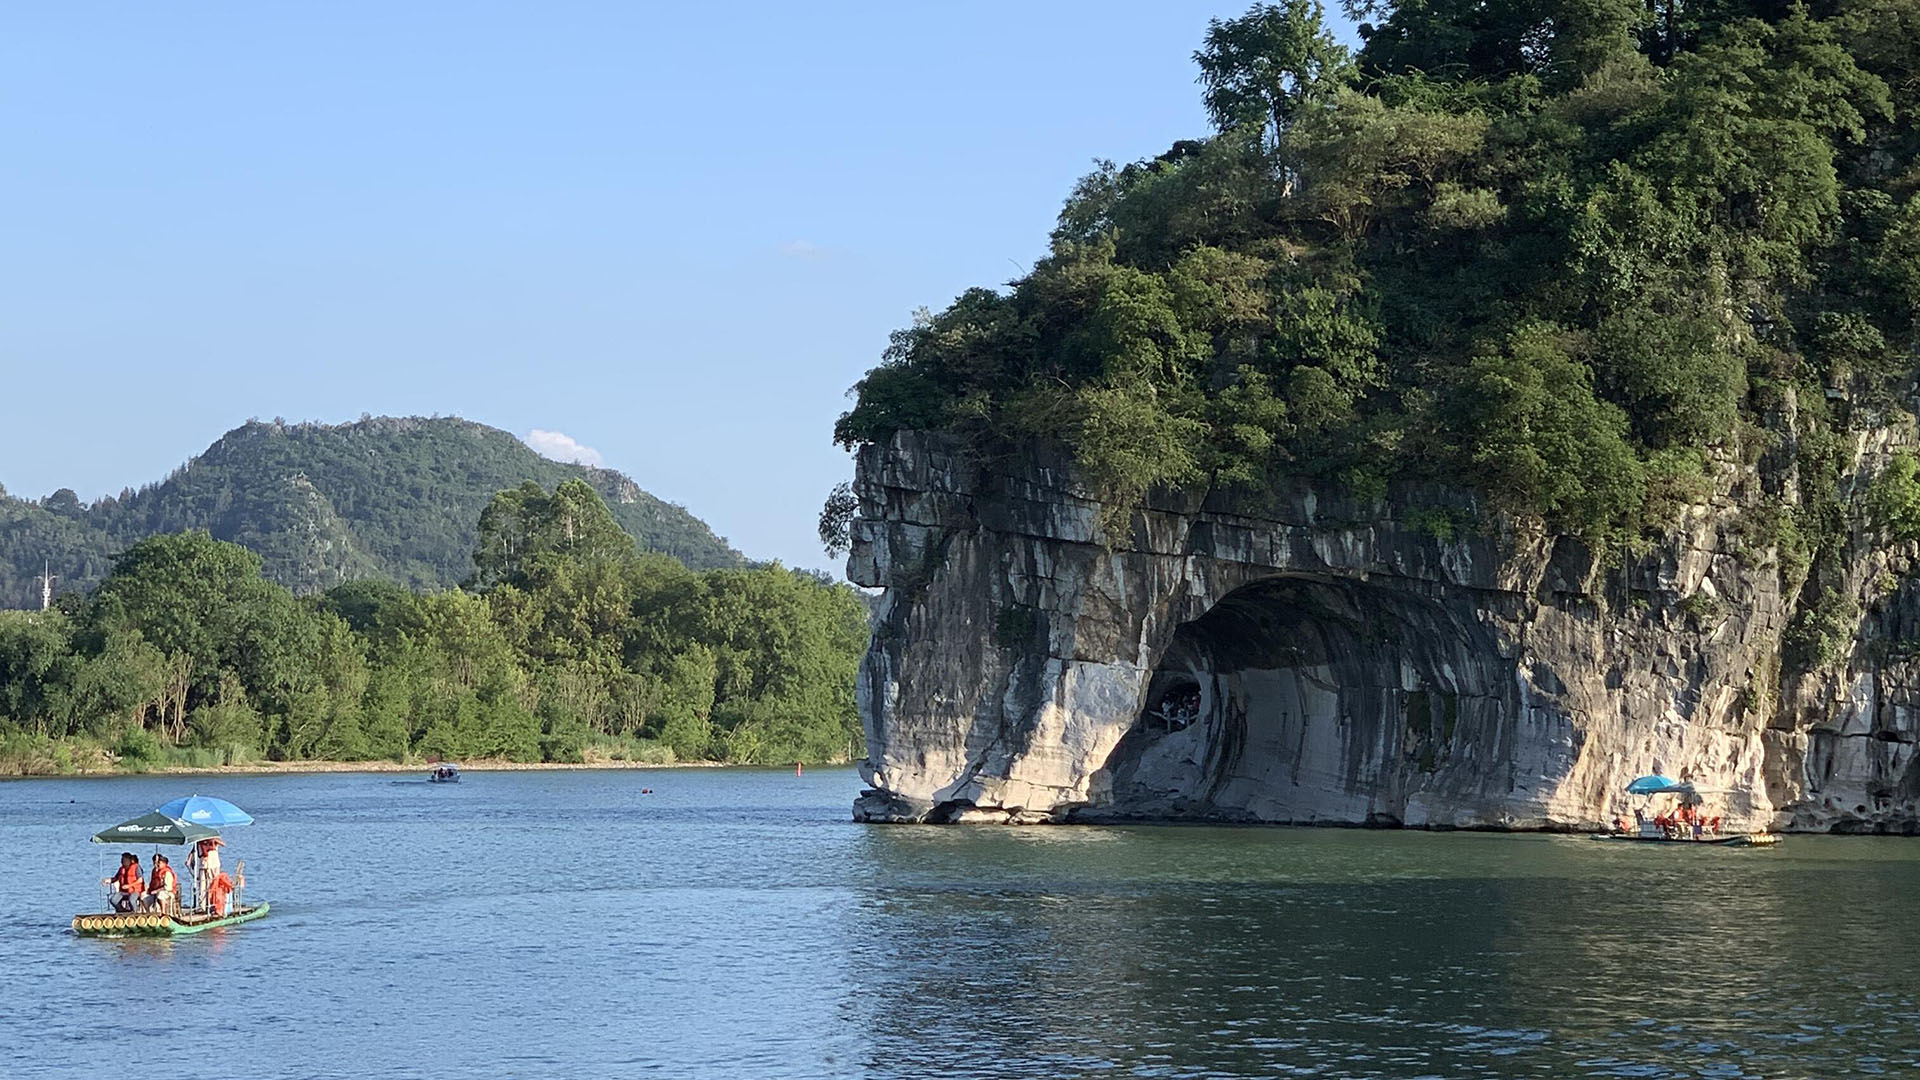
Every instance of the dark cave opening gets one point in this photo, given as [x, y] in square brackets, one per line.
[1309, 699]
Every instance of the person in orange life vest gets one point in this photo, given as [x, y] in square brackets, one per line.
[127, 883]
[163, 888]
[222, 888]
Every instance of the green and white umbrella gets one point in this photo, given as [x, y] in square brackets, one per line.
[155, 828]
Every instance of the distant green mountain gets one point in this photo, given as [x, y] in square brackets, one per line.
[387, 497]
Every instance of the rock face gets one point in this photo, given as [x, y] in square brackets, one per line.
[1306, 658]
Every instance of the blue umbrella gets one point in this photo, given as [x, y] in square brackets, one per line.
[1652, 785]
[204, 810]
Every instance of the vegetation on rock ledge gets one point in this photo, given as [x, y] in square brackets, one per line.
[1565, 254]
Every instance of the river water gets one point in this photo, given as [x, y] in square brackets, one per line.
[733, 923]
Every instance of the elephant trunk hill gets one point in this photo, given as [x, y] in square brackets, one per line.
[1347, 666]
[1464, 426]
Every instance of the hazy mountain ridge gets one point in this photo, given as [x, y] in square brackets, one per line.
[388, 497]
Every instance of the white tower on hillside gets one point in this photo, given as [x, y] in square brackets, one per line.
[46, 585]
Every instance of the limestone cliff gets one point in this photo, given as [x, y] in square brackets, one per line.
[1304, 658]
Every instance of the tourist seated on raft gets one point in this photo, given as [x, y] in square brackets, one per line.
[127, 883]
[163, 888]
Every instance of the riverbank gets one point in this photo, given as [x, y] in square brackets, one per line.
[38, 757]
[268, 768]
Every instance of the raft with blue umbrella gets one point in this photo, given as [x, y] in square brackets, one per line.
[194, 820]
[1660, 830]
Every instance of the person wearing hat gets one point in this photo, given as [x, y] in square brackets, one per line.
[205, 861]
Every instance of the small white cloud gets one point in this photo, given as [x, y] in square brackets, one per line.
[802, 249]
[560, 446]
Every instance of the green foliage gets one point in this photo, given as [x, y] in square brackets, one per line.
[1265, 66]
[1444, 523]
[1129, 441]
[1536, 438]
[320, 504]
[576, 647]
[836, 519]
[1821, 631]
[525, 529]
[1364, 158]
[1894, 498]
[1563, 253]
[1701, 607]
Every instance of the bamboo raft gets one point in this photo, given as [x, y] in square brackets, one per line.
[160, 924]
[1735, 840]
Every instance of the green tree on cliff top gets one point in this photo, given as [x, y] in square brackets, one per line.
[1550, 251]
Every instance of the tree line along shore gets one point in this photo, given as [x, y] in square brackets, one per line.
[566, 646]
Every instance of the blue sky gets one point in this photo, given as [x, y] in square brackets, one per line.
[675, 235]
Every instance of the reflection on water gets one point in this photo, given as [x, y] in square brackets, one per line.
[1237, 952]
[734, 924]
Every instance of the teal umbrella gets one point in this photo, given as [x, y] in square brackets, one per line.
[154, 828]
[1655, 784]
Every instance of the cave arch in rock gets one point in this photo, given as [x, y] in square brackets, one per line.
[1319, 699]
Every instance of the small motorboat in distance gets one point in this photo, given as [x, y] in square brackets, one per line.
[446, 772]
[1686, 823]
